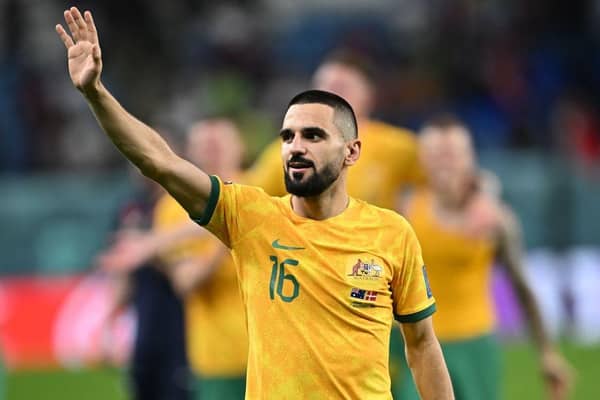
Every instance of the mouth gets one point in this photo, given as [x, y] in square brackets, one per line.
[299, 167]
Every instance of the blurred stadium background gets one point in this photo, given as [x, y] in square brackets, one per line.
[524, 75]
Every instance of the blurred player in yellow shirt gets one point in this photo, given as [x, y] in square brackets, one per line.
[388, 161]
[463, 230]
[202, 271]
[322, 274]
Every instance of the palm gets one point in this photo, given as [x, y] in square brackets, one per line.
[82, 67]
[85, 62]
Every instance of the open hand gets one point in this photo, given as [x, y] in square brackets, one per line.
[131, 250]
[85, 60]
[558, 375]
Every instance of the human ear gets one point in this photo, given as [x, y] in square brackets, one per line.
[352, 152]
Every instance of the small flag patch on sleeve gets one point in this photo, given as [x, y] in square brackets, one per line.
[427, 286]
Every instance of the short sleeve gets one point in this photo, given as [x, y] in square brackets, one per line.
[413, 300]
[232, 210]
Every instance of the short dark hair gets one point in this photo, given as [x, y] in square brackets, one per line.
[343, 116]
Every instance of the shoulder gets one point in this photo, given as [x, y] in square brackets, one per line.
[248, 191]
[487, 214]
[168, 211]
[395, 135]
[507, 221]
[412, 199]
[271, 153]
[387, 219]
[165, 202]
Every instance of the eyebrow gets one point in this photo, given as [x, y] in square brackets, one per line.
[315, 130]
[285, 132]
[308, 129]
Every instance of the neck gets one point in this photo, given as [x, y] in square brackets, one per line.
[455, 196]
[330, 203]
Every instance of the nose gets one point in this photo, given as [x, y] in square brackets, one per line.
[297, 145]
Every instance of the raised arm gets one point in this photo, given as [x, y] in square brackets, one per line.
[556, 371]
[138, 142]
[426, 361]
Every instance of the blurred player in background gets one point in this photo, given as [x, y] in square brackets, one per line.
[158, 365]
[203, 273]
[322, 274]
[200, 269]
[388, 161]
[463, 230]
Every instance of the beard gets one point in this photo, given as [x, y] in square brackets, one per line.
[315, 184]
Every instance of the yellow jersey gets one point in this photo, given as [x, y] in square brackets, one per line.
[388, 164]
[217, 339]
[459, 268]
[320, 296]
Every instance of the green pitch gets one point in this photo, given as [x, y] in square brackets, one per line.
[521, 379]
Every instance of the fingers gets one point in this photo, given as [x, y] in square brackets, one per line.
[558, 385]
[66, 39]
[82, 27]
[91, 26]
[78, 18]
[96, 53]
[69, 19]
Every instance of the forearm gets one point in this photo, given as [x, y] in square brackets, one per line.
[511, 257]
[165, 240]
[144, 147]
[121, 294]
[190, 274]
[533, 316]
[429, 371]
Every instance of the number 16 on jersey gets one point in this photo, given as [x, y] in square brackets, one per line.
[279, 279]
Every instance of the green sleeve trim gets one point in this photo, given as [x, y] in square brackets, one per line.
[213, 198]
[416, 317]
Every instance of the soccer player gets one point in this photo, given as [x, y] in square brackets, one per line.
[316, 328]
[463, 230]
[388, 161]
[203, 272]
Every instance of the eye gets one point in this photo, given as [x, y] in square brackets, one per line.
[313, 134]
[286, 135]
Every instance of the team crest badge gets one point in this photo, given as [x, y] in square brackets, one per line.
[364, 270]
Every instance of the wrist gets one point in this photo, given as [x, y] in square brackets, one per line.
[92, 92]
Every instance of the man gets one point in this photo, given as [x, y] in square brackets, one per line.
[315, 330]
[203, 273]
[158, 367]
[463, 230]
[388, 160]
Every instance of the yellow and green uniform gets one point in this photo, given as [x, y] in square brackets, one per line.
[217, 340]
[388, 163]
[459, 268]
[320, 296]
